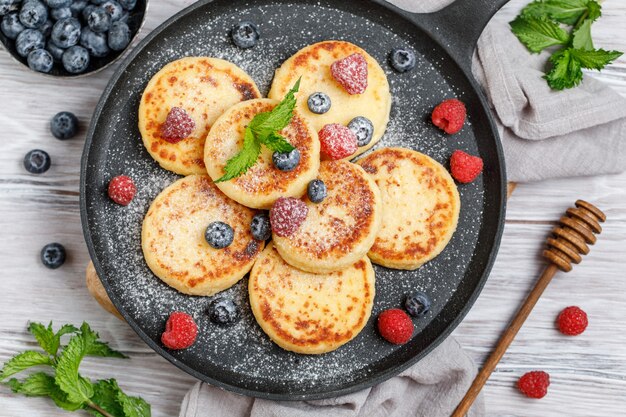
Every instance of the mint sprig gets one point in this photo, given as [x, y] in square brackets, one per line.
[539, 26]
[62, 381]
[263, 130]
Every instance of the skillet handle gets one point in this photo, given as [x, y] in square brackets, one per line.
[457, 26]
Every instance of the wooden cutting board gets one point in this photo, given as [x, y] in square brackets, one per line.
[97, 291]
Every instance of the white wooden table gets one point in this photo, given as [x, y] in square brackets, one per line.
[588, 372]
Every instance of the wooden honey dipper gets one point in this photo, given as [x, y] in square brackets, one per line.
[576, 229]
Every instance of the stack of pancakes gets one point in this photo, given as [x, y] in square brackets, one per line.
[311, 291]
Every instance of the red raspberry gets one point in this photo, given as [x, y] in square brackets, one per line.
[464, 167]
[395, 326]
[286, 215]
[337, 141]
[180, 331]
[178, 125]
[122, 190]
[572, 321]
[449, 115]
[351, 73]
[534, 384]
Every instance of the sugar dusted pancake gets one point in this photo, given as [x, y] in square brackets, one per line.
[421, 207]
[204, 88]
[312, 63]
[262, 184]
[341, 229]
[173, 240]
[308, 313]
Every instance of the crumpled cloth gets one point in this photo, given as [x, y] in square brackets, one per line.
[545, 134]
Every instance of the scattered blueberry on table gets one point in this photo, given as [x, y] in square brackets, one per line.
[224, 312]
[316, 191]
[64, 125]
[286, 161]
[219, 235]
[54, 28]
[37, 161]
[245, 35]
[260, 227]
[53, 255]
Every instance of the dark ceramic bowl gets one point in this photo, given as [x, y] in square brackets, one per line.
[135, 22]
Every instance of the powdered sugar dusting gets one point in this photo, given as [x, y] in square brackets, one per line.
[242, 356]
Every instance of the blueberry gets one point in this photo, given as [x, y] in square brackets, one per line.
[87, 11]
[402, 60]
[260, 227]
[40, 60]
[224, 311]
[53, 255]
[64, 125]
[119, 36]
[114, 9]
[245, 34]
[75, 59]
[363, 128]
[77, 7]
[219, 235]
[286, 161]
[33, 14]
[319, 103]
[99, 20]
[417, 304]
[11, 25]
[316, 191]
[128, 4]
[61, 13]
[55, 51]
[58, 4]
[66, 32]
[28, 40]
[96, 43]
[98, 2]
[37, 161]
[8, 6]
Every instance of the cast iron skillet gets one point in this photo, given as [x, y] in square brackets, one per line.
[241, 358]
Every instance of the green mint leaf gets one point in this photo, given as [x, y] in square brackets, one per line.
[77, 388]
[594, 10]
[566, 11]
[45, 337]
[581, 38]
[105, 396]
[41, 384]
[277, 143]
[133, 406]
[595, 59]
[244, 159]
[23, 361]
[279, 117]
[538, 33]
[565, 72]
[96, 347]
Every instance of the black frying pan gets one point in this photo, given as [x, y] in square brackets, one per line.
[242, 358]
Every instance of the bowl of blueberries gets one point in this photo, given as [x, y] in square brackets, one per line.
[69, 38]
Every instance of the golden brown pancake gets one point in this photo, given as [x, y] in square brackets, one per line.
[263, 183]
[173, 242]
[309, 313]
[341, 229]
[312, 63]
[421, 207]
[204, 88]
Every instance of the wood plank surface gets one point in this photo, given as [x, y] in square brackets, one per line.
[588, 372]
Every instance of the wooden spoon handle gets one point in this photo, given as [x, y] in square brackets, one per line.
[505, 341]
